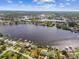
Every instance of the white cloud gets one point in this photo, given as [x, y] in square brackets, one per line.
[67, 3]
[44, 4]
[20, 2]
[9, 1]
[46, 7]
[23, 7]
[43, 7]
[73, 0]
[39, 3]
[44, 1]
[61, 5]
[68, 0]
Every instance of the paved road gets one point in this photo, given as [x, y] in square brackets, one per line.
[11, 49]
[3, 52]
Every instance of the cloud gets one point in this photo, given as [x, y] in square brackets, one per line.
[9, 1]
[22, 7]
[67, 3]
[68, 0]
[20, 2]
[44, 4]
[73, 0]
[61, 5]
[41, 5]
[44, 1]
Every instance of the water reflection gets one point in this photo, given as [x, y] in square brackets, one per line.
[42, 35]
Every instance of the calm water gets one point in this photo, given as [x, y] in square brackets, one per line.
[43, 35]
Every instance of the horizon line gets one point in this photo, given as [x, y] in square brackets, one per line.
[43, 10]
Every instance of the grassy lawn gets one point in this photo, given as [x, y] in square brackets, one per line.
[12, 55]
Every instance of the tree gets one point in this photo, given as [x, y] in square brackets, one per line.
[1, 35]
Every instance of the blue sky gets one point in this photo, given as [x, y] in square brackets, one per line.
[40, 5]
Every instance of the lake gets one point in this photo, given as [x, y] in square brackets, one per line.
[42, 34]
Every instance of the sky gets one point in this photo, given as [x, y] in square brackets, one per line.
[40, 5]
